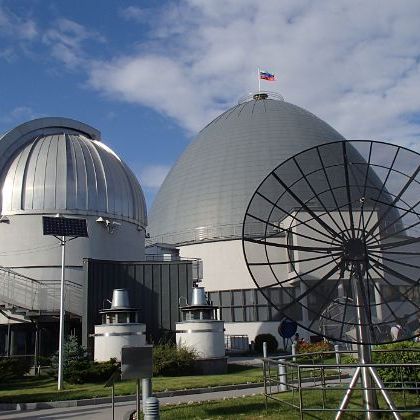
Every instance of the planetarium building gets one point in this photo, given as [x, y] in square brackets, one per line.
[201, 205]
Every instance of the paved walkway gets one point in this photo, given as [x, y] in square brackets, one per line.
[103, 411]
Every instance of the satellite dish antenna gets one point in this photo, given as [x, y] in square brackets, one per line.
[335, 230]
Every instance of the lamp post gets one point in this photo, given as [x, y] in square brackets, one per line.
[61, 228]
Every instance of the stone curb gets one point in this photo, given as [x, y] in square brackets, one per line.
[120, 398]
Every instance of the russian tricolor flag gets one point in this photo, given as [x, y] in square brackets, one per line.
[265, 75]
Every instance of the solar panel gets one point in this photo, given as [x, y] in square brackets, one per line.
[64, 226]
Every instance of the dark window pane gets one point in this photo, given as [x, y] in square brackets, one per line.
[238, 313]
[237, 298]
[276, 315]
[226, 298]
[263, 314]
[288, 295]
[250, 312]
[275, 296]
[214, 297]
[261, 299]
[250, 297]
[227, 314]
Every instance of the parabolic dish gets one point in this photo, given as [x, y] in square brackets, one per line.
[341, 215]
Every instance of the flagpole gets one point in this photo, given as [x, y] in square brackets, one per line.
[259, 80]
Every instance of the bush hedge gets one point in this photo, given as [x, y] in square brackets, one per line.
[271, 341]
[80, 372]
[13, 368]
[406, 375]
[169, 360]
[321, 347]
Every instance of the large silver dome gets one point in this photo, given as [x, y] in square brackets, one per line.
[205, 195]
[60, 166]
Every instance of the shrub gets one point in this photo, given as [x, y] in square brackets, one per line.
[78, 369]
[13, 368]
[406, 375]
[321, 347]
[170, 360]
[271, 341]
[80, 372]
[73, 352]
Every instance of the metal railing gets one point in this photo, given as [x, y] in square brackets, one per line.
[270, 95]
[214, 233]
[317, 387]
[17, 290]
[197, 263]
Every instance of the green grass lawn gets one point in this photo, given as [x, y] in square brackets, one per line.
[248, 408]
[32, 389]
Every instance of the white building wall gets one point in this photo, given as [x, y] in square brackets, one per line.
[26, 250]
[224, 266]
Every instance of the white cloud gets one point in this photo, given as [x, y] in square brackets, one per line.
[18, 115]
[18, 27]
[355, 64]
[152, 176]
[136, 14]
[66, 39]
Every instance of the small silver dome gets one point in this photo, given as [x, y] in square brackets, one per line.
[62, 169]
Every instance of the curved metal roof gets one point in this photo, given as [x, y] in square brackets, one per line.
[205, 195]
[61, 169]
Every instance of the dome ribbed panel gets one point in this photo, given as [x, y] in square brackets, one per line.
[208, 189]
[69, 173]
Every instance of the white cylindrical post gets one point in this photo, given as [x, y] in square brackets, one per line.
[146, 391]
[151, 411]
[337, 354]
[294, 345]
[264, 349]
[61, 338]
[259, 80]
[282, 375]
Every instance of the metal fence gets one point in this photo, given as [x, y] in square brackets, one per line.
[308, 386]
[17, 290]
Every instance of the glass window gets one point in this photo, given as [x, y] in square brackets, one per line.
[238, 313]
[261, 298]
[226, 298]
[237, 298]
[275, 296]
[214, 297]
[263, 314]
[250, 297]
[227, 314]
[122, 318]
[250, 313]
[288, 295]
[276, 315]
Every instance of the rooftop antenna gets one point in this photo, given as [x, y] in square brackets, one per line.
[350, 212]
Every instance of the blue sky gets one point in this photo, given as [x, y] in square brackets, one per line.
[150, 74]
